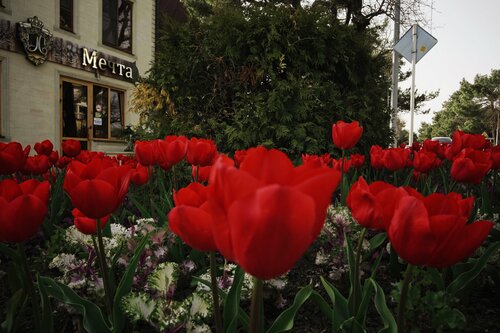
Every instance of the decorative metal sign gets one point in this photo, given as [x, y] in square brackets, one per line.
[37, 40]
[68, 53]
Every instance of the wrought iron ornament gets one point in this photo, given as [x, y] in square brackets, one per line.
[37, 40]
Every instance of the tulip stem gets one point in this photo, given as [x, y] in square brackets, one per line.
[402, 298]
[255, 306]
[30, 288]
[104, 268]
[342, 199]
[356, 271]
[215, 293]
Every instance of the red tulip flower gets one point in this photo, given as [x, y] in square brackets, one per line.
[37, 165]
[470, 166]
[22, 209]
[346, 135]
[495, 157]
[97, 188]
[71, 148]
[396, 158]
[342, 162]
[201, 152]
[357, 160]
[376, 157]
[425, 161]
[139, 175]
[372, 205]
[267, 213]
[191, 218]
[433, 231]
[87, 225]
[239, 156]
[172, 150]
[12, 157]
[147, 153]
[44, 148]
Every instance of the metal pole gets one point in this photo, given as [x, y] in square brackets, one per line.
[412, 93]
[395, 70]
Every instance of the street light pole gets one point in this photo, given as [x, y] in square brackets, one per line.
[395, 69]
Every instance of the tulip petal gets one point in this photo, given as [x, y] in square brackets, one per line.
[271, 229]
[21, 218]
[269, 166]
[94, 198]
[409, 231]
[194, 226]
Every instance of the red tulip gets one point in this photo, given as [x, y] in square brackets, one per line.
[346, 135]
[44, 148]
[201, 152]
[495, 157]
[139, 175]
[37, 165]
[267, 212]
[12, 157]
[97, 188]
[357, 160]
[147, 152]
[395, 158]
[172, 150]
[470, 166]
[338, 164]
[239, 156]
[433, 231]
[425, 161]
[71, 148]
[376, 157]
[191, 218]
[22, 209]
[87, 225]
[372, 205]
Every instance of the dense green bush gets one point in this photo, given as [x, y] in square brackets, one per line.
[269, 75]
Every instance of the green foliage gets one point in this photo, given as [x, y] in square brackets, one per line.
[269, 75]
[473, 108]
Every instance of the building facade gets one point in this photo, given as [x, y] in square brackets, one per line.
[68, 67]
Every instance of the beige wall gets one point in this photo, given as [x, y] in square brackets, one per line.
[30, 109]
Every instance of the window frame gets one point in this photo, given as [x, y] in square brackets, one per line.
[90, 110]
[115, 44]
[71, 28]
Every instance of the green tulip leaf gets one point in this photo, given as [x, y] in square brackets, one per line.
[285, 320]
[125, 285]
[18, 300]
[47, 318]
[463, 280]
[231, 304]
[382, 309]
[339, 303]
[365, 301]
[326, 309]
[93, 319]
[351, 325]
[485, 200]
[377, 240]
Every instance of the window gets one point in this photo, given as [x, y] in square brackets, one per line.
[66, 15]
[90, 111]
[117, 24]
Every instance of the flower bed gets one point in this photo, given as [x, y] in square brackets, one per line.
[183, 238]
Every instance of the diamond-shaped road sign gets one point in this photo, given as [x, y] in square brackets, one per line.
[425, 42]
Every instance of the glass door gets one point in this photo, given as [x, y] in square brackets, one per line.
[75, 116]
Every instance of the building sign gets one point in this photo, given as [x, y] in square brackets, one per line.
[98, 61]
[37, 40]
[67, 53]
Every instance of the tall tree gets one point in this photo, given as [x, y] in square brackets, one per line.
[473, 108]
[270, 75]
